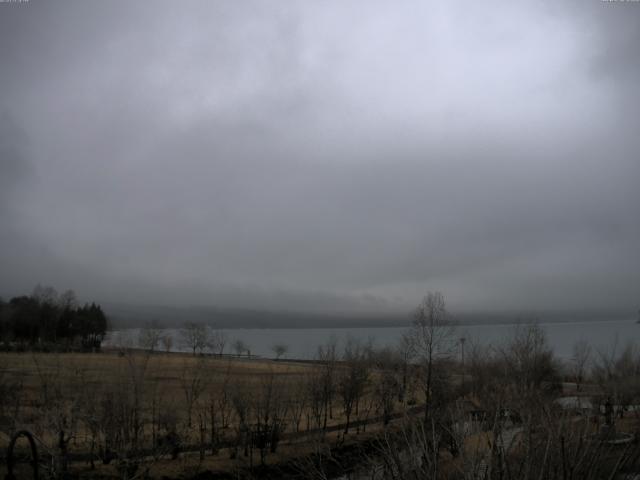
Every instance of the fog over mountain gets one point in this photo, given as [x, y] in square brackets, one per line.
[329, 157]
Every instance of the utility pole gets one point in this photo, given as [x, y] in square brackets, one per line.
[462, 340]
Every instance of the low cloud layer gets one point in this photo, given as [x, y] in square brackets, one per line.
[332, 156]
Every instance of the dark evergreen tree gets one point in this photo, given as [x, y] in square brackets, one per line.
[41, 319]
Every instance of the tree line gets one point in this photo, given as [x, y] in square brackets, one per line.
[46, 319]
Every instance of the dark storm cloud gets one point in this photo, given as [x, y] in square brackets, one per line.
[336, 156]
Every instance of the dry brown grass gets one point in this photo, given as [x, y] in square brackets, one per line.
[109, 367]
[74, 371]
[77, 377]
[160, 377]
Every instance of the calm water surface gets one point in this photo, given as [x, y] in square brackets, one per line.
[303, 342]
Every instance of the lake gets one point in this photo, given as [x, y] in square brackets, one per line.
[303, 343]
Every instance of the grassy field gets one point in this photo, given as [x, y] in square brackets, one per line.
[77, 393]
[70, 371]
[228, 415]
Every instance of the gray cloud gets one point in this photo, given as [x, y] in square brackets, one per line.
[341, 156]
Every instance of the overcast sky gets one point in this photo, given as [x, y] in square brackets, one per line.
[322, 156]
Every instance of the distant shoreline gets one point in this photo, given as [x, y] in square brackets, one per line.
[394, 325]
[130, 316]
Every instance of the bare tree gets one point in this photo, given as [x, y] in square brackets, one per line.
[240, 347]
[218, 408]
[406, 353]
[120, 414]
[279, 349]
[217, 341]
[68, 300]
[298, 401]
[242, 405]
[529, 359]
[388, 384]
[353, 378]
[579, 361]
[45, 295]
[433, 339]
[327, 357]
[88, 413]
[167, 342]
[269, 414]
[193, 384]
[225, 407]
[549, 444]
[618, 374]
[317, 398]
[11, 399]
[58, 419]
[48, 300]
[195, 336]
[150, 335]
